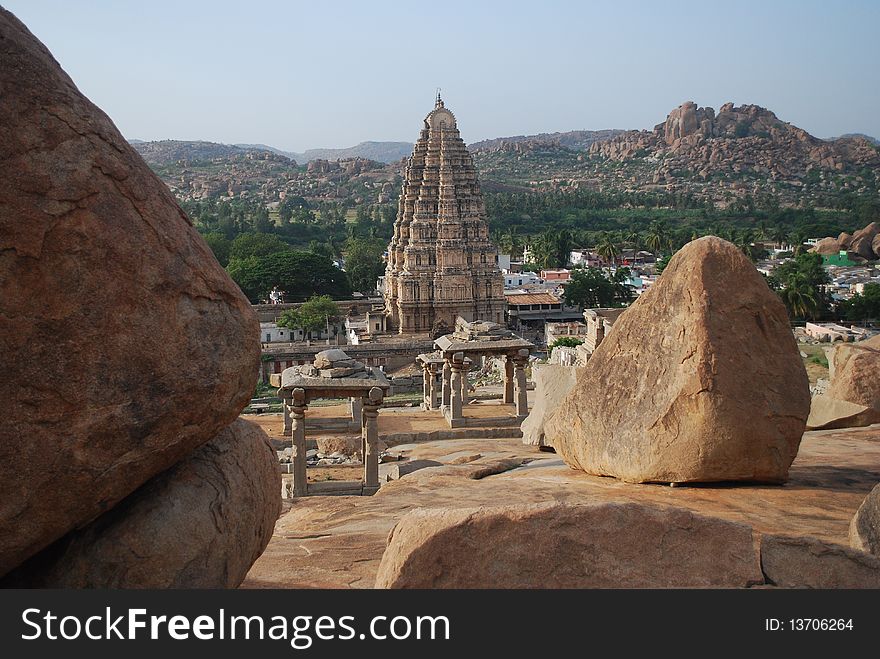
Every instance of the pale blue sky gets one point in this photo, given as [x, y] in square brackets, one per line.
[300, 75]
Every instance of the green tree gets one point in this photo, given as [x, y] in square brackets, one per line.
[607, 247]
[657, 238]
[256, 244]
[220, 245]
[863, 306]
[311, 316]
[800, 283]
[566, 341]
[363, 262]
[590, 288]
[298, 273]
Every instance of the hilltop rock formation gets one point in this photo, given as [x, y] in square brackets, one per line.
[200, 524]
[552, 384]
[853, 395]
[864, 531]
[747, 138]
[124, 346]
[700, 381]
[864, 244]
[608, 545]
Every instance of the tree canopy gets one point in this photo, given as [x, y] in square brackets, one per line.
[312, 315]
[590, 288]
[299, 274]
[363, 262]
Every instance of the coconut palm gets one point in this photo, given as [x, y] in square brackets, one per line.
[607, 247]
[800, 297]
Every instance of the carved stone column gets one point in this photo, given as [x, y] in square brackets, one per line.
[465, 367]
[447, 385]
[519, 365]
[298, 434]
[354, 404]
[455, 384]
[432, 387]
[508, 380]
[426, 388]
[372, 402]
[285, 408]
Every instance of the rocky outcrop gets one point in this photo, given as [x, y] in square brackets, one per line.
[864, 530]
[608, 545]
[125, 345]
[856, 372]
[863, 244]
[826, 247]
[736, 140]
[803, 562]
[200, 524]
[552, 384]
[852, 398]
[701, 380]
[863, 241]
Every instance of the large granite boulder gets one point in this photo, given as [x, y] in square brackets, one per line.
[552, 384]
[844, 240]
[607, 545]
[701, 380]
[123, 343]
[827, 413]
[854, 371]
[864, 530]
[863, 241]
[804, 562]
[826, 246]
[200, 524]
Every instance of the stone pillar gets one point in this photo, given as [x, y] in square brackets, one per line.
[298, 435]
[432, 386]
[447, 385]
[354, 404]
[522, 401]
[455, 385]
[426, 389]
[285, 408]
[508, 380]
[465, 367]
[372, 402]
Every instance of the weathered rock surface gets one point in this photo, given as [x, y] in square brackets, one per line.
[828, 413]
[856, 372]
[200, 524]
[701, 380]
[864, 530]
[826, 246]
[123, 343]
[863, 241]
[393, 471]
[552, 384]
[562, 546]
[803, 562]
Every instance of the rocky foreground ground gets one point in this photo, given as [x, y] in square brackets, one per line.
[338, 542]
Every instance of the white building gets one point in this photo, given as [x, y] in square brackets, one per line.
[517, 279]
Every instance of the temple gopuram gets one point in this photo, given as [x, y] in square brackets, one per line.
[441, 264]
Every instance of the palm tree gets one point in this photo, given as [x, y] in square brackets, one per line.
[797, 239]
[800, 297]
[658, 237]
[607, 247]
[778, 236]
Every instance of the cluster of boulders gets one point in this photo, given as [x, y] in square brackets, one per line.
[746, 138]
[864, 244]
[701, 380]
[852, 397]
[127, 356]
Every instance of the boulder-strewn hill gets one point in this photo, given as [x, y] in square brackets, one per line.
[872, 140]
[744, 139]
[577, 140]
[386, 152]
[165, 152]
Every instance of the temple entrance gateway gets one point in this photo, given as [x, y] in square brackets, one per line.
[333, 375]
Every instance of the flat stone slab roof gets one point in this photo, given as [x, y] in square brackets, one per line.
[450, 343]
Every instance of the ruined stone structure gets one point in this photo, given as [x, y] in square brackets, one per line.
[441, 264]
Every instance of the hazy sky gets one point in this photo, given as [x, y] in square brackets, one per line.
[298, 75]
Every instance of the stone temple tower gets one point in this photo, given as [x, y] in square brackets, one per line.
[440, 261]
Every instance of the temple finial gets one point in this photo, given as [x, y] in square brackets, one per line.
[439, 102]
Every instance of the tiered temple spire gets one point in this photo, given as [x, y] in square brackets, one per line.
[441, 263]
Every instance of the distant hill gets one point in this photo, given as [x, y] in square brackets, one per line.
[576, 140]
[166, 152]
[386, 152]
[849, 136]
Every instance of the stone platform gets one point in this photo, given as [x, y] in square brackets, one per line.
[338, 542]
